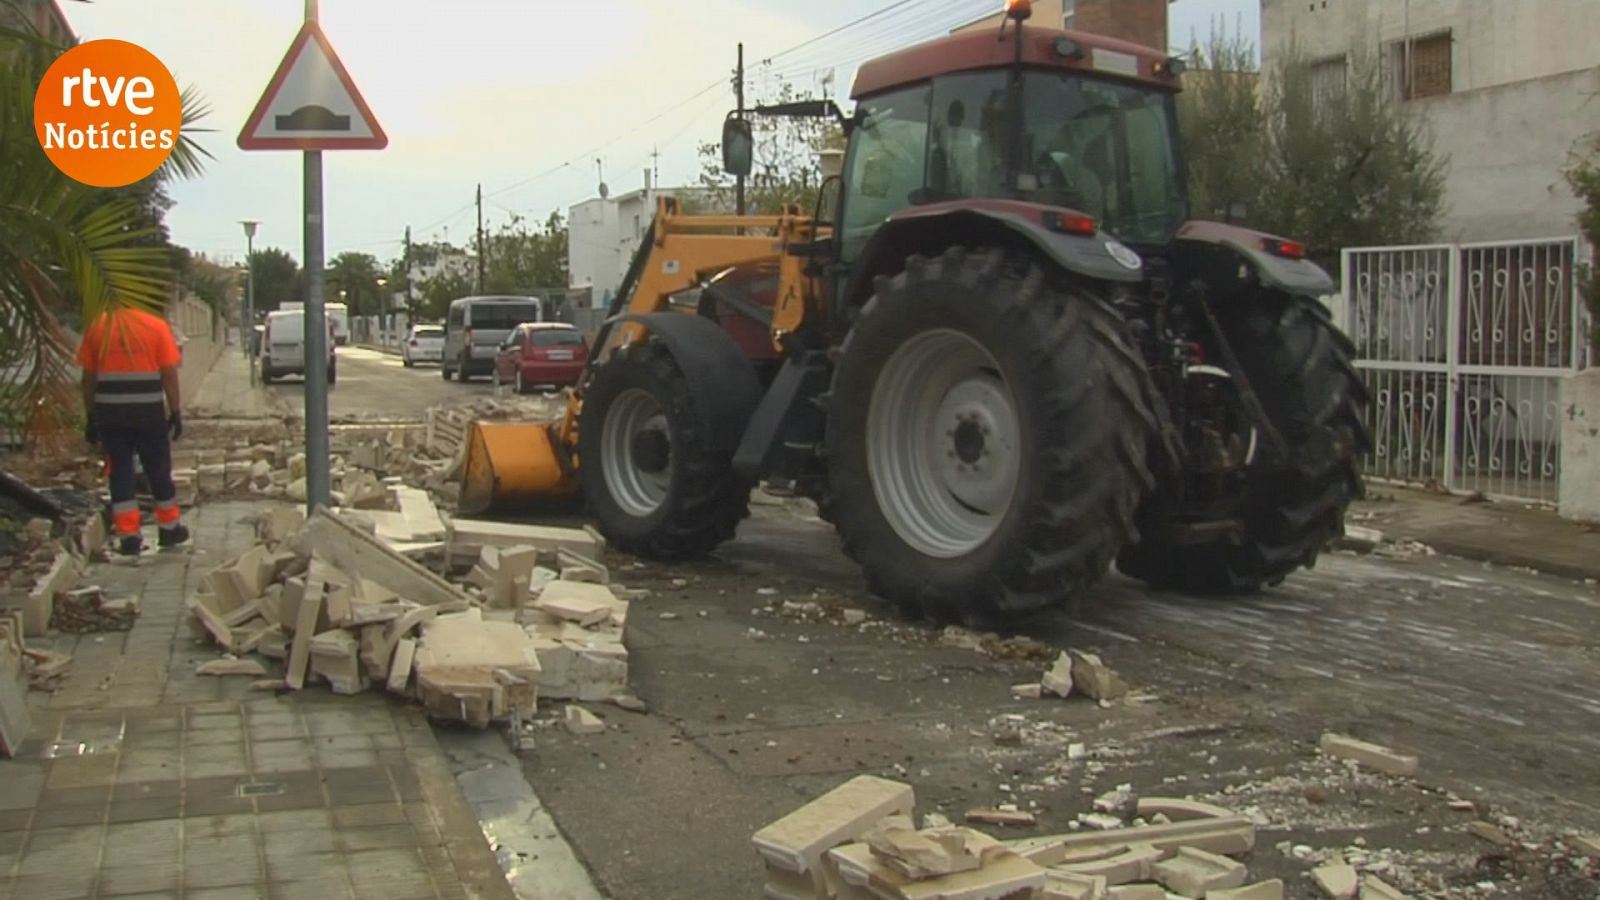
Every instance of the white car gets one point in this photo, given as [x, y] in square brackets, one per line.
[423, 344]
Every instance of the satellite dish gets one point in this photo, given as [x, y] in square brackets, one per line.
[604, 191]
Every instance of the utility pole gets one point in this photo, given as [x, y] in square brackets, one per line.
[405, 263]
[247, 331]
[480, 238]
[738, 90]
[318, 481]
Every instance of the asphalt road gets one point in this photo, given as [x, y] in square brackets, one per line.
[376, 385]
[1488, 675]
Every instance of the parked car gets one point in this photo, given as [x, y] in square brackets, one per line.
[423, 343]
[284, 347]
[475, 329]
[536, 353]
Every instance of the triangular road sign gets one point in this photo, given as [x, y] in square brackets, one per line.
[311, 104]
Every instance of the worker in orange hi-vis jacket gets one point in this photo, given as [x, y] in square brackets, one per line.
[130, 366]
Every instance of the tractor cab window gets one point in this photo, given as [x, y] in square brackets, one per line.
[1106, 149]
[967, 137]
[888, 159]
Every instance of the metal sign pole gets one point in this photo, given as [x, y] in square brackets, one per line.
[316, 321]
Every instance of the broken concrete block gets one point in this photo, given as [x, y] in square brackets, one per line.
[305, 630]
[1372, 888]
[1117, 866]
[1230, 834]
[1003, 875]
[1071, 886]
[793, 846]
[1058, 680]
[1178, 810]
[1031, 691]
[1136, 892]
[1192, 873]
[1122, 802]
[210, 621]
[362, 555]
[39, 604]
[1261, 890]
[274, 645]
[466, 535]
[335, 657]
[1373, 756]
[580, 721]
[1494, 834]
[223, 667]
[280, 525]
[1336, 882]
[15, 719]
[1359, 540]
[240, 580]
[476, 671]
[585, 604]
[509, 583]
[400, 666]
[242, 614]
[1094, 679]
[421, 516]
[578, 664]
[915, 854]
[1001, 817]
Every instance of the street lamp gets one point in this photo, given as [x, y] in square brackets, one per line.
[383, 314]
[247, 330]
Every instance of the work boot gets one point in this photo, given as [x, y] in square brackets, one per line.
[172, 537]
[132, 545]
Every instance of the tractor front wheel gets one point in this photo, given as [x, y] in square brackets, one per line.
[648, 473]
[987, 437]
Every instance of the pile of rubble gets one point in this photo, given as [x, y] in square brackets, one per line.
[859, 842]
[333, 600]
[41, 591]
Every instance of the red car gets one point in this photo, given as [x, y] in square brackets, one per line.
[541, 353]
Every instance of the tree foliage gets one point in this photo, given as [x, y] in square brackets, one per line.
[352, 279]
[786, 169]
[68, 251]
[278, 279]
[217, 286]
[1334, 164]
[1584, 177]
[522, 260]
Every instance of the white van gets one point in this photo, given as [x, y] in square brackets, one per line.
[283, 346]
[477, 326]
[338, 318]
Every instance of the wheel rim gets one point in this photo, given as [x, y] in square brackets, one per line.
[943, 443]
[519, 382]
[636, 454]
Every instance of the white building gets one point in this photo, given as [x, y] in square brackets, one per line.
[1509, 88]
[459, 265]
[604, 232]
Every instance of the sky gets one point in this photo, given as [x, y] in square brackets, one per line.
[520, 96]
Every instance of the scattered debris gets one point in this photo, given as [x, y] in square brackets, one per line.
[1195, 873]
[232, 666]
[1094, 679]
[580, 721]
[1027, 691]
[1359, 539]
[1336, 882]
[1058, 680]
[1002, 817]
[87, 610]
[1373, 756]
[793, 847]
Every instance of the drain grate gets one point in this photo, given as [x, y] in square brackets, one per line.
[260, 789]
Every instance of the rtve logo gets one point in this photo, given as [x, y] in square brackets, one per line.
[107, 113]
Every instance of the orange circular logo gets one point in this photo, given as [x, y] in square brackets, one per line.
[107, 113]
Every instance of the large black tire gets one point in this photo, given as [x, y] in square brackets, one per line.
[1082, 403]
[1300, 367]
[703, 501]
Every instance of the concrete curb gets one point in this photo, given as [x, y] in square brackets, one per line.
[1500, 556]
[391, 351]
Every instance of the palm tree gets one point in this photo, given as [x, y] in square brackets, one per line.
[65, 248]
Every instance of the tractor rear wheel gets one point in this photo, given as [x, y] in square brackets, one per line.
[648, 474]
[987, 437]
[1300, 367]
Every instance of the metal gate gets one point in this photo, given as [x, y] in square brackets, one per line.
[1463, 347]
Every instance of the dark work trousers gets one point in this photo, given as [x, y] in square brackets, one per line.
[149, 441]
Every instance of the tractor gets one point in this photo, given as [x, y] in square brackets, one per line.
[1005, 361]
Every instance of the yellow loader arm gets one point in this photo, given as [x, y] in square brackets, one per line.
[515, 464]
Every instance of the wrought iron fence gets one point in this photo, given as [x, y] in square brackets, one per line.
[1464, 347]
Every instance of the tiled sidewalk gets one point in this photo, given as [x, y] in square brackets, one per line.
[142, 779]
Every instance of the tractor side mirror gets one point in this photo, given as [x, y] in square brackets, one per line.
[738, 147]
[875, 176]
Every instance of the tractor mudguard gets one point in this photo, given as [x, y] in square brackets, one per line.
[932, 227]
[721, 380]
[1294, 276]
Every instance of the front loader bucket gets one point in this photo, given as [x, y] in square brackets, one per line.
[512, 465]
